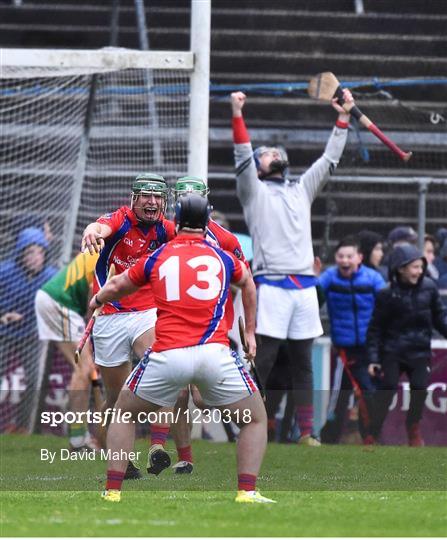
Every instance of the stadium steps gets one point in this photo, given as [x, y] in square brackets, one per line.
[345, 207]
[71, 25]
[320, 35]
[269, 44]
[300, 112]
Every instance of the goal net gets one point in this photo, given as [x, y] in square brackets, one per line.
[77, 127]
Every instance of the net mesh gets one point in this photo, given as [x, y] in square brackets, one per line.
[71, 146]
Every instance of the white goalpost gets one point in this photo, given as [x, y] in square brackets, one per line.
[76, 127]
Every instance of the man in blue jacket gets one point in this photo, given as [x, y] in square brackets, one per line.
[21, 276]
[350, 290]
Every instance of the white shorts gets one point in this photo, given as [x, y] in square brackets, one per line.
[288, 313]
[216, 370]
[115, 334]
[56, 322]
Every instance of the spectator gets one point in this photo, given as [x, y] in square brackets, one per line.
[440, 261]
[36, 220]
[20, 278]
[371, 248]
[442, 267]
[430, 245]
[350, 289]
[277, 212]
[402, 235]
[399, 336]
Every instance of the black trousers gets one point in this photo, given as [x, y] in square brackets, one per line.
[357, 365]
[277, 386]
[418, 373]
[299, 366]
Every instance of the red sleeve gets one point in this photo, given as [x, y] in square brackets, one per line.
[228, 241]
[170, 228]
[232, 244]
[341, 124]
[238, 269]
[113, 220]
[240, 133]
[137, 272]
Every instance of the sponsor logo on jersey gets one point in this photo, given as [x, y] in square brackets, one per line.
[125, 264]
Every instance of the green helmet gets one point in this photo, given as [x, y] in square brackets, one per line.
[146, 184]
[150, 183]
[190, 184]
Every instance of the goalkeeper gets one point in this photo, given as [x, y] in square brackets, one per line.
[61, 306]
[277, 211]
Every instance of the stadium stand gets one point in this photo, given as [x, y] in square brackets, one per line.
[265, 42]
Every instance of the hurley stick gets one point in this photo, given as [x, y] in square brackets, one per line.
[252, 362]
[325, 87]
[91, 322]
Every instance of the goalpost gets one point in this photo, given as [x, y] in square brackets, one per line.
[76, 127]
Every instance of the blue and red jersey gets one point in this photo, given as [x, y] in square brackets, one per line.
[130, 239]
[190, 281]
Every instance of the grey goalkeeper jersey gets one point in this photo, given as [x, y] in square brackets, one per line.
[278, 214]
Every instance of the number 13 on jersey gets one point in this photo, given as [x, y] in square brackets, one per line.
[207, 276]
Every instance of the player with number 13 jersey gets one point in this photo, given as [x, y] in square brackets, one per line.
[181, 273]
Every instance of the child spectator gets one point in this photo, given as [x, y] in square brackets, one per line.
[350, 289]
[402, 235]
[399, 336]
[371, 248]
[440, 261]
[430, 246]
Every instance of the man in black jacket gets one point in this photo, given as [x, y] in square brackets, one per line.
[399, 336]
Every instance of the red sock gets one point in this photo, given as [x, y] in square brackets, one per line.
[114, 479]
[159, 433]
[246, 482]
[305, 417]
[185, 454]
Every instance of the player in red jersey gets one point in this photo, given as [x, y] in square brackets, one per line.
[190, 280]
[221, 237]
[126, 328]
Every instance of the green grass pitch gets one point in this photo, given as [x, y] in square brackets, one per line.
[327, 491]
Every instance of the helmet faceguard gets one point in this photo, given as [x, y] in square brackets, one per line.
[192, 211]
[149, 184]
[278, 165]
[190, 184]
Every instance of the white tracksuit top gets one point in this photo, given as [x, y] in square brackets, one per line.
[278, 215]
